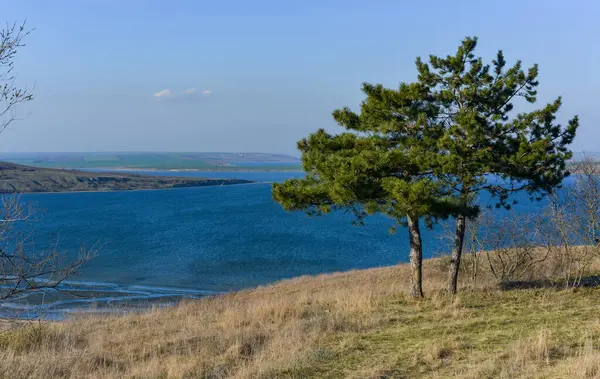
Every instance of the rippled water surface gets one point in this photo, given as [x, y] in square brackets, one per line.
[159, 246]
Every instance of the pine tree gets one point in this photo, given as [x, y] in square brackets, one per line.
[427, 149]
[382, 163]
[483, 148]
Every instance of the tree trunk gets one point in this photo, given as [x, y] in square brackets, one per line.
[456, 254]
[416, 257]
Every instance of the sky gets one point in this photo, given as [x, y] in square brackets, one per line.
[257, 76]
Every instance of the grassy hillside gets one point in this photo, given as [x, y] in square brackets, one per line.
[349, 325]
[23, 179]
[157, 161]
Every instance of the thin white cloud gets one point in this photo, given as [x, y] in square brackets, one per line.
[188, 94]
[163, 93]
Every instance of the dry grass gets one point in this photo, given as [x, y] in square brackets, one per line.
[348, 325]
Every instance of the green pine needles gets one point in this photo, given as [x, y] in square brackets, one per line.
[422, 152]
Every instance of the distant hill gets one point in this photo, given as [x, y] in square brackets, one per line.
[157, 161]
[23, 179]
[579, 156]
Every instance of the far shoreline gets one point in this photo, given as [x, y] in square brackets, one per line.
[248, 183]
[223, 169]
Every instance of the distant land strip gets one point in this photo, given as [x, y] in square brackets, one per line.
[15, 178]
[164, 161]
[206, 169]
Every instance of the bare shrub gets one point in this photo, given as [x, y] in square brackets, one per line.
[572, 225]
[22, 268]
[558, 244]
[511, 252]
[502, 246]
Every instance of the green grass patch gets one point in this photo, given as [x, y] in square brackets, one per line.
[446, 337]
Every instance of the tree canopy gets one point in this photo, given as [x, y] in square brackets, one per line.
[382, 163]
[474, 103]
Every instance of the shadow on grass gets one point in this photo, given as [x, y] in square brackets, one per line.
[586, 282]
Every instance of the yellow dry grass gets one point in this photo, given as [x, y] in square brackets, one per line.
[358, 324]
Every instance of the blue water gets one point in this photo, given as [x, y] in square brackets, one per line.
[168, 244]
[263, 164]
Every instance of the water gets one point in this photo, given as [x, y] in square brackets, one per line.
[159, 246]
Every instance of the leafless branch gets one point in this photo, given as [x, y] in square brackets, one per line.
[11, 40]
[23, 269]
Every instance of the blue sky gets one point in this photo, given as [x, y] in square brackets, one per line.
[259, 75]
